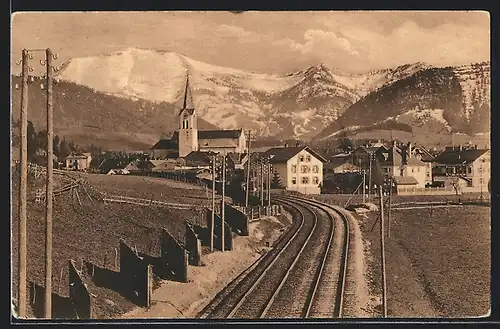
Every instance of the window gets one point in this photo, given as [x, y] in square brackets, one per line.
[412, 169]
[294, 168]
[418, 169]
[305, 180]
[301, 158]
[305, 169]
[308, 158]
[294, 181]
[469, 170]
[315, 169]
[315, 180]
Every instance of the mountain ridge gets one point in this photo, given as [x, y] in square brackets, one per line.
[298, 104]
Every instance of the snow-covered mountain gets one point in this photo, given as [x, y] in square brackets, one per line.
[430, 101]
[300, 104]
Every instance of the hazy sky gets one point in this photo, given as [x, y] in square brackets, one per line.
[274, 42]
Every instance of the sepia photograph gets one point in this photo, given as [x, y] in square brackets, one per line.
[250, 165]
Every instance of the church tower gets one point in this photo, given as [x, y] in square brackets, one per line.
[188, 125]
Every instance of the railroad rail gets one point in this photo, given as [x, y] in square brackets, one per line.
[303, 275]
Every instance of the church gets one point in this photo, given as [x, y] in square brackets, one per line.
[189, 139]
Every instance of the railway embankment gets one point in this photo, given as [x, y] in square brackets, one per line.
[185, 300]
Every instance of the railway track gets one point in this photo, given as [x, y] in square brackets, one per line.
[301, 277]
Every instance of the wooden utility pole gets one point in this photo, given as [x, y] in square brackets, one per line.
[213, 206]
[382, 251]
[21, 296]
[248, 168]
[269, 182]
[364, 183]
[389, 213]
[370, 179]
[223, 203]
[48, 199]
[262, 182]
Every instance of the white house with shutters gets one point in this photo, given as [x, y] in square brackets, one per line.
[300, 168]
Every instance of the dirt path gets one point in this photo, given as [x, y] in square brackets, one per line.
[185, 300]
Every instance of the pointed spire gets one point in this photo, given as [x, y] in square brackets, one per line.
[188, 102]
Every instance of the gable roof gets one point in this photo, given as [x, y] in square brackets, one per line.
[165, 144]
[197, 158]
[213, 134]
[459, 156]
[283, 154]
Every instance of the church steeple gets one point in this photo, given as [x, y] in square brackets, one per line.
[188, 102]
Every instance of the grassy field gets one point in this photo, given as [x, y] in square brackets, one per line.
[437, 263]
[92, 231]
[152, 187]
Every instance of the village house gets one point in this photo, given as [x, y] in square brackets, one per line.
[161, 165]
[401, 161]
[78, 161]
[468, 169]
[188, 138]
[299, 168]
[165, 149]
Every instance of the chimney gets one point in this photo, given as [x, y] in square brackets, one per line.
[460, 147]
[475, 147]
[286, 144]
[297, 144]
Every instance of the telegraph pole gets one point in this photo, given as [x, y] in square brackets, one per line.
[389, 213]
[269, 183]
[382, 250]
[21, 296]
[364, 187]
[248, 169]
[370, 179]
[262, 182]
[223, 203]
[213, 206]
[48, 199]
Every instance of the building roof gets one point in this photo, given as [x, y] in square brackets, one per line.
[337, 164]
[217, 142]
[408, 180]
[334, 162]
[459, 156]
[76, 157]
[166, 144]
[132, 166]
[283, 154]
[414, 161]
[157, 163]
[215, 134]
[197, 158]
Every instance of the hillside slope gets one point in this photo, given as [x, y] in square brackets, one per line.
[88, 117]
[432, 101]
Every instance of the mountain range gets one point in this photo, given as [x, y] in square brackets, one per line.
[141, 90]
